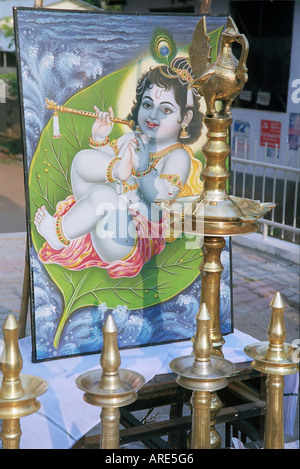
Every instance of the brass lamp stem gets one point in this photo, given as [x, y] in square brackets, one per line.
[274, 434]
[211, 270]
[200, 438]
[110, 421]
[11, 433]
[216, 150]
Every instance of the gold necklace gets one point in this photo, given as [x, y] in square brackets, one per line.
[156, 156]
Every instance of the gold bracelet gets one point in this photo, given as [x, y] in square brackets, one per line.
[129, 187]
[94, 143]
[140, 174]
[110, 167]
[59, 232]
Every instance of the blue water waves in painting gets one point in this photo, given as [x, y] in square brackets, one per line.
[165, 322]
[64, 52]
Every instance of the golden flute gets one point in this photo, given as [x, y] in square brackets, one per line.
[56, 107]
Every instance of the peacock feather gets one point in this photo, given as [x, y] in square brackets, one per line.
[162, 46]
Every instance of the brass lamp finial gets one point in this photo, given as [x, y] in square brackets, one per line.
[202, 342]
[110, 359]
[276, 331]
[11, 361]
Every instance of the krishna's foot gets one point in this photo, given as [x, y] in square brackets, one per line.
[45, 225]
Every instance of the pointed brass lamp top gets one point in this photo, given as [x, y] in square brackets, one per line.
[274, 356]
[110, 386]
[18, 393]
[201, 371]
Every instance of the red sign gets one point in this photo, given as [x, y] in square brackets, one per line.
[270, 133]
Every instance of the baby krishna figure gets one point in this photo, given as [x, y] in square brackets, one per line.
[110, 221]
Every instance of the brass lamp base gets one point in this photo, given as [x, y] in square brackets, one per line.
[285, 366]
[27, 404]
[211, 379]
[94, 394]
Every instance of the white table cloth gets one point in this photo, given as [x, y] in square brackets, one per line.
[64, 417]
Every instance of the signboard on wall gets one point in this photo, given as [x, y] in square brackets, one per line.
[294, 131]
[270, 133]
[241, 135]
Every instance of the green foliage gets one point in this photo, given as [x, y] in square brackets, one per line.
[14, 145]
[12, 83]
[8, 29]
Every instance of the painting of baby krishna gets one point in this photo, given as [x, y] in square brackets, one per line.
[111, 123]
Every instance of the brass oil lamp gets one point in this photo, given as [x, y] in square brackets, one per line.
[214, 213]
[203, 374]
[111, 387]
[18, 393]
[275, 359]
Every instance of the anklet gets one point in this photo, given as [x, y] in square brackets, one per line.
[59, 232]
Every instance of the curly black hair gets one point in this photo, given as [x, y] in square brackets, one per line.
[166, 77]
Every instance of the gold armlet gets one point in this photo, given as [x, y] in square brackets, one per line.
[129, 187]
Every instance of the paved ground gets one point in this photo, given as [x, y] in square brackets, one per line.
[256, 275]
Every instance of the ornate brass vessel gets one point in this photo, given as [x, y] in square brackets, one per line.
[214, 212]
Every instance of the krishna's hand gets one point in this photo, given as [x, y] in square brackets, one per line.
[102, 126]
